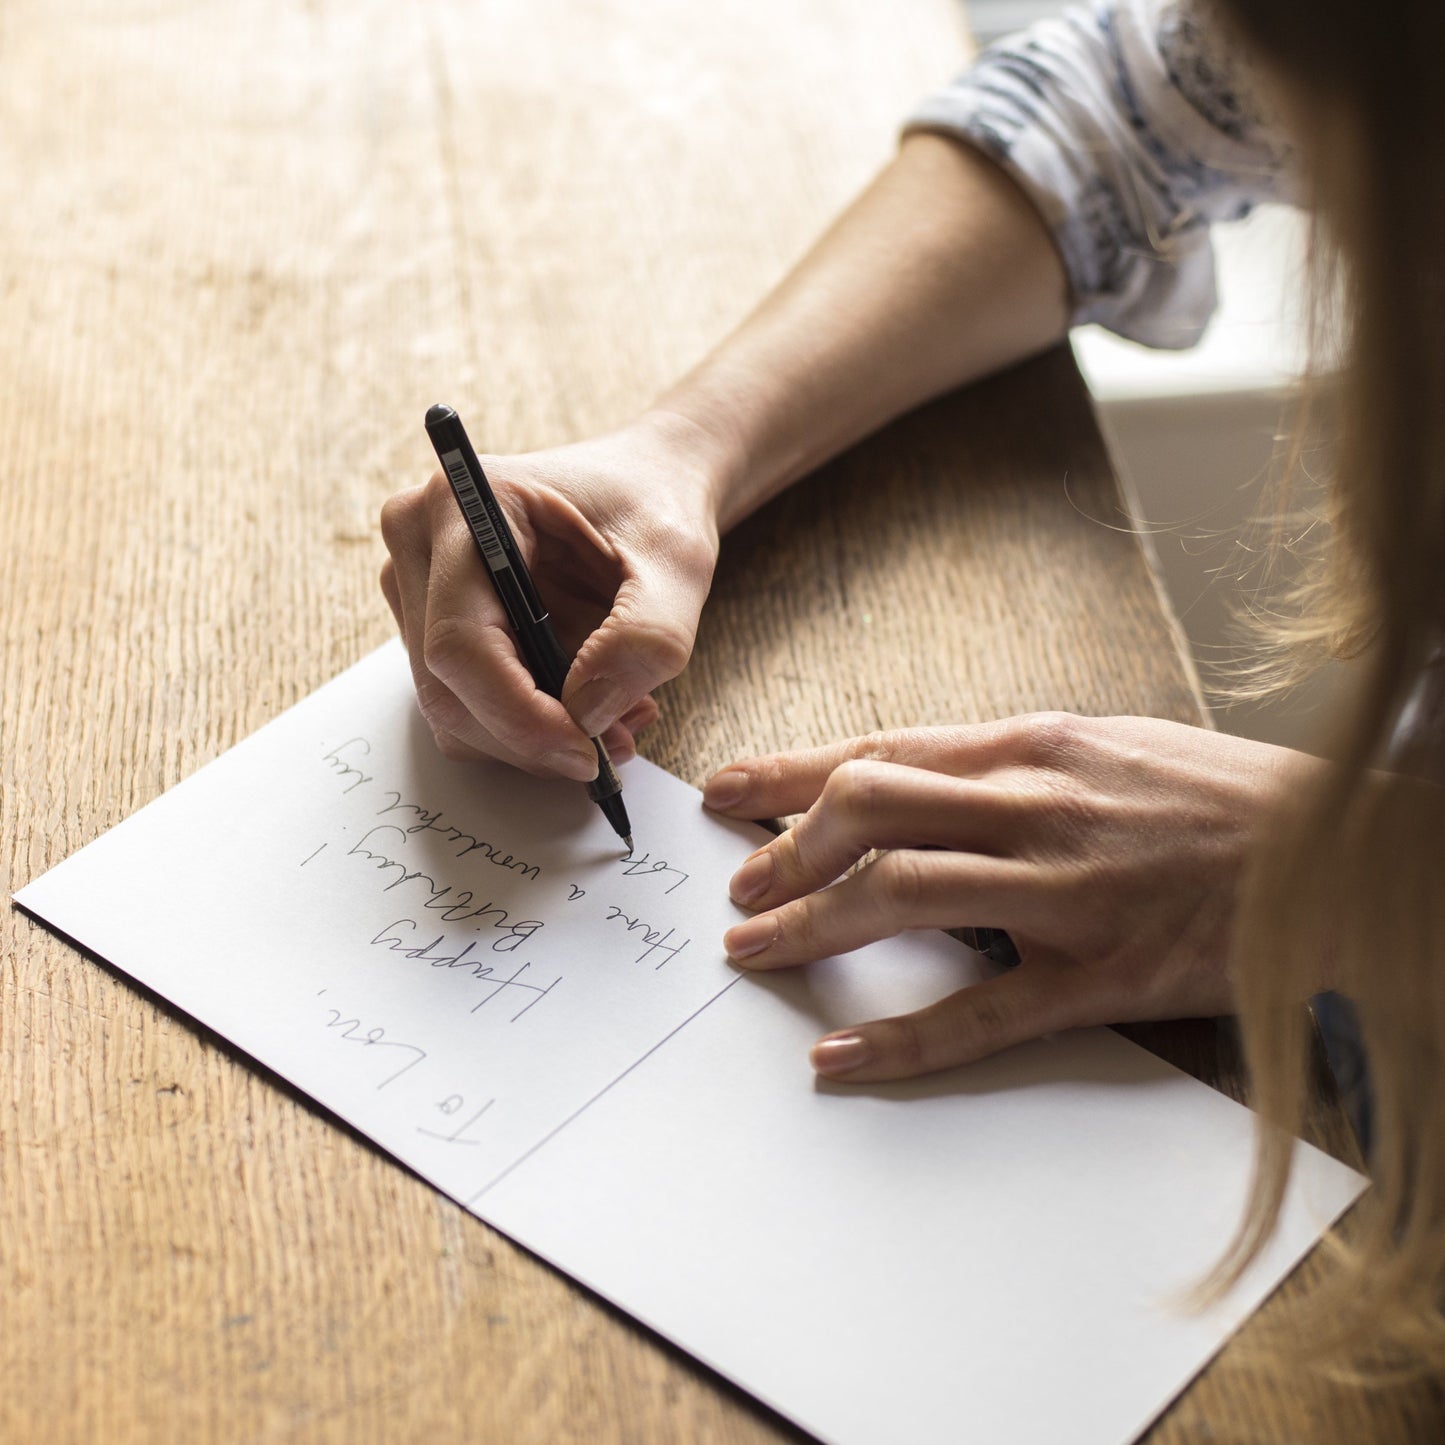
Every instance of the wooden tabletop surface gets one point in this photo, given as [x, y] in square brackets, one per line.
[242, 248]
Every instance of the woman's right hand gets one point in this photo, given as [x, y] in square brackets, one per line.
[621, 537]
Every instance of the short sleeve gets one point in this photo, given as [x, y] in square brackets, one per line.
[1132, 126]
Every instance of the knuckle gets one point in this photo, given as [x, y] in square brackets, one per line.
[453, 748]
[663, 646]
[447, 646]
[398, 517]
[671, 646]
[853, 787]
[669, 534]
[443, 709]
[798, 926]
[787, 855]
[984, 1026]
[688, 553]
[1049, 739]
[902, 1043]
[696, 556]
[769, 774]
[876, 746]
[436, 495]
[901, 883]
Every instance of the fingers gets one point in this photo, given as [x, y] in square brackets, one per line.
[645, 640]
[458, 734]
[960, 1029]
[1110, 849]
[471, 686]
[468, 646]
[620, 738]
[903, 889]
[866, 805]
[777, 783]
[404, 583]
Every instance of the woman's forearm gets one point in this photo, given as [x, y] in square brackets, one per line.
[940, 272]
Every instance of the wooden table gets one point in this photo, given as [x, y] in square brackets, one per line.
[242, 247]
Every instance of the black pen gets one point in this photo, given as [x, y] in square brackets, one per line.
[541, 651]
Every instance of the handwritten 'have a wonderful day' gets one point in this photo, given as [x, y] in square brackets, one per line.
[448, 918]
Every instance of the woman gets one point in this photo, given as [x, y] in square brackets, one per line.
[1143, 869]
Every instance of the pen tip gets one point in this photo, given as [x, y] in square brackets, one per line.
[628, 841]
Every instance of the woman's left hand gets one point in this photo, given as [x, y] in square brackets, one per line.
[1111, 849]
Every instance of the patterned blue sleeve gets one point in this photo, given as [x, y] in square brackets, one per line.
[1132, 126]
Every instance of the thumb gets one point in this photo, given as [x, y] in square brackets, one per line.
[646, 639]
[966, 1026]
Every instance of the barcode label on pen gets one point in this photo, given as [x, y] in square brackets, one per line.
[475, 510]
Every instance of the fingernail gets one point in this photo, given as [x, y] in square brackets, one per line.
[840, 1054]
[598, 705]
[572, 763]
[752, 880]
[751, 937]
[725, 789]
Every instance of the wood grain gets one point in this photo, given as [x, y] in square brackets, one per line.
[242, 247]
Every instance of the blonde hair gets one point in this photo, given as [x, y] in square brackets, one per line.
[1348, 889]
